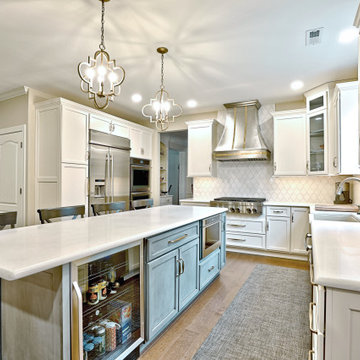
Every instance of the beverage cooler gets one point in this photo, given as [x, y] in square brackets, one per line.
[107, 304]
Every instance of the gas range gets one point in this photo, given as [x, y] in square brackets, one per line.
[240, 205]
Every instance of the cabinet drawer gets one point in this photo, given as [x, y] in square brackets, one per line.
[278, 211]
[245, 240]
[209, 268]
[248, 226]
[160, 244]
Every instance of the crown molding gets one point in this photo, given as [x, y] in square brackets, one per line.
[14, 93]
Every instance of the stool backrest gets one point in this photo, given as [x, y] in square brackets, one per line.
[8, 218]
[108, 208]
[46, 215]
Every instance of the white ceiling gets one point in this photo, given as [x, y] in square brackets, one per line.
[219, 51]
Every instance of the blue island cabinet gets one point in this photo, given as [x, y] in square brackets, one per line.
[172, 279]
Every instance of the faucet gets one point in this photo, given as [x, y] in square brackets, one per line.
[341, 187]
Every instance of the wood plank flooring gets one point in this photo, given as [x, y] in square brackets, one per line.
[183, 338]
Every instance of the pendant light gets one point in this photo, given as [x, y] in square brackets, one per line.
[100, 77]
[162, 110]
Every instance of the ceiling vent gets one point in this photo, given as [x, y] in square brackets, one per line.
[313, 36]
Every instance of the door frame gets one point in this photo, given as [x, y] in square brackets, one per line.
[20, 129]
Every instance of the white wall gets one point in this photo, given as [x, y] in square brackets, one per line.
[255, 178]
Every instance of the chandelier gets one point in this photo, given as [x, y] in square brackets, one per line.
[162, 110]
[100, 77]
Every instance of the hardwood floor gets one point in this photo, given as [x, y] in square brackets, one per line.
[182, 339]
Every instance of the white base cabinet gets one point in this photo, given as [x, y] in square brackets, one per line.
[299, 228]
[278, 233]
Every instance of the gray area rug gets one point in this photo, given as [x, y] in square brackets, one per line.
[267, 320]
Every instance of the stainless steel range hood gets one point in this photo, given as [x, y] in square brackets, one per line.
[241, 138]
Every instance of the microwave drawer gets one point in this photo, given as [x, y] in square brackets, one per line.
[245, 240]
[278, 211]
[160, 244]
[209, 268]
[248, 226]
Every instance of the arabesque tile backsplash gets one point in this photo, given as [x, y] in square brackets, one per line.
[255, 178]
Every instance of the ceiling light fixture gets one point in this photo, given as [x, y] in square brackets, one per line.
[297, 85]
[191, 103]
[162, 110]
[100, 77]
[136, 98]
[348, 35]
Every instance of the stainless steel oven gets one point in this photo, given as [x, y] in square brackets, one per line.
[211, 234]
[139, 175]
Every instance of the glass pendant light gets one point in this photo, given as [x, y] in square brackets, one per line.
[100, 77]
[162, 110]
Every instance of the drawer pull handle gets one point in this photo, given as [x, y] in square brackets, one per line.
[311, 318]
[311, 353]
[178, 239]
[211, 269]
[278, 211]
[308, 246]
[242, 226]
[237, 239]
[311, 270]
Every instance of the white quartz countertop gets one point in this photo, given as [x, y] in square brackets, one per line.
[29, 250]
[336, 254]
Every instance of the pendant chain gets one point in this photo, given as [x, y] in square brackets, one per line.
[162, 71]
[102, 43]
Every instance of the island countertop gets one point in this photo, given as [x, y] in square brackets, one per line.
[336, 254]
[28, 250]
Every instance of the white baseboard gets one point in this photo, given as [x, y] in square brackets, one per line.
[268, 253]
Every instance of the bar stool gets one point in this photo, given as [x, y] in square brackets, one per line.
[108, 208]
[142, 204]
[8, 218]
[46, 214]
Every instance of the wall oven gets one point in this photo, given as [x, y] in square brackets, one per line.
[211, 235]
[139, 175]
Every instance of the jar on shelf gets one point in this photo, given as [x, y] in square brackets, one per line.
[92, 294]
[110, 336]
[102, 289]
[101, 340]
[88, 350]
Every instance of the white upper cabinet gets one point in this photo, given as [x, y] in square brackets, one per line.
[74, 135]
[290, 143]
[141, 143]
[202, 138]
[345, 107]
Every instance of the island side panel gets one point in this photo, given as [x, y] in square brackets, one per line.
[31, 315]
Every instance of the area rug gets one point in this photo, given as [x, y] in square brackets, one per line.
[267, 320]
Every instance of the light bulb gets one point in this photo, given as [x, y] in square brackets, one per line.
[156, 106]
[166, 106]
[101, 70]
[112, 77]
[100, 79]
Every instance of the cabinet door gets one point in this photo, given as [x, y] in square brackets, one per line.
[146, 145]
[100, 124]
[317, 144]
[120, 130]
[299, 229]
[200, 150]
[73, 184]
[278, 233]
[162, 292]
[290, 131]
[189, 277]
[74, 139]
[223, 241]
[135, 144]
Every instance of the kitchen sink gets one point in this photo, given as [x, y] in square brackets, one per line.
[336, 216]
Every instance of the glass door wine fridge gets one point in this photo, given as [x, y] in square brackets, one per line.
[107, 304]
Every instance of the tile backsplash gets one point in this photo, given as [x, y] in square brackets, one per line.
[255, 178]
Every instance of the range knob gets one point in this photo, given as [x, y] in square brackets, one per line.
[237, 210]
[254, 211]
[232, 210]
[248, 210]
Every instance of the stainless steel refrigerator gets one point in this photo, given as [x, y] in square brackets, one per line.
[109, 168]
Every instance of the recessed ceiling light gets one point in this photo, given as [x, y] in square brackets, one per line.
[136, 98]
[297, 85]
[348, 35]
[191, 103]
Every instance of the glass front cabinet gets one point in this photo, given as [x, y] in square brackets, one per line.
[107, 304]
[317, 133]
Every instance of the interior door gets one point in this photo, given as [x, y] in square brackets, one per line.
[174, 175]
[99, 175]
[120, 175]
[12, 197]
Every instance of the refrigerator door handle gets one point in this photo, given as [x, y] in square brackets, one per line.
[76, 323]
[106, 176]
[112, 176]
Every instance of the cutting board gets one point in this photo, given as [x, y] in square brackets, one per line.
[337, 207]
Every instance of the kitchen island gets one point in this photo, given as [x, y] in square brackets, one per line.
[42, 304]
